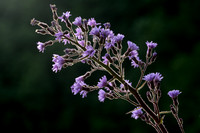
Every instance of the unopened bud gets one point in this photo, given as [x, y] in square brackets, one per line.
[153, 57]
[34, 22]
[53, 7]
[107, 25]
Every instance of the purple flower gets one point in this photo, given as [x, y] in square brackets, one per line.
[102, 82]
[107, 25]
[92, 22]
[174, 93]
[79, 33]
[82, 42]
[128, 82]
[132, 46]
[105, 60]
[104, 33]
[119, 38]
[78, 21]
[153, 76]
[65, 41]
[65, 16]
[59, 36]
[41, 46]
[77, 87]
[95, 31]
[133, 54]
[58, 62]
[79, 79]
[89, 51]
[136, 113]
[83, 93]
[134, 64]
[102, 95]
[151, 44]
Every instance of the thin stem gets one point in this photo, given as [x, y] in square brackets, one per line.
[126, 99]
[165, 112]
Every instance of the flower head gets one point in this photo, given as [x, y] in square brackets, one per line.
[41, 46]
[58, 62]
[89, 51]
[59, 36]
[134, 64]
[102, 82]
[174, 93]
[133, 54]
[136, 113]
[104, 33]
[78, 21]
[132, 46]
[95, 31]
[92, 22]
[153, 76]
[151, 44]
[102, 95]
[65, 41]
[83, 93]
[79, 33]
[128, 82]
[77, 87]
[119, 38]
[82, 42]
[65, 16]
[107, 25]
[105, 60]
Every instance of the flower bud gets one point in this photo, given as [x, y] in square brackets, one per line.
[153, 57]
[34, 22]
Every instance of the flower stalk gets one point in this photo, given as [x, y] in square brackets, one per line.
[90, 52]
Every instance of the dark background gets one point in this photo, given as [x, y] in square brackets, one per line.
[34, 99]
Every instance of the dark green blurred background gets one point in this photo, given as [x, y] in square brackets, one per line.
[33, 99]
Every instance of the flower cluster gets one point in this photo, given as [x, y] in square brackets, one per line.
[98, 46]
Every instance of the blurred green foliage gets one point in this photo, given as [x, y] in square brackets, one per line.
[34, 99]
